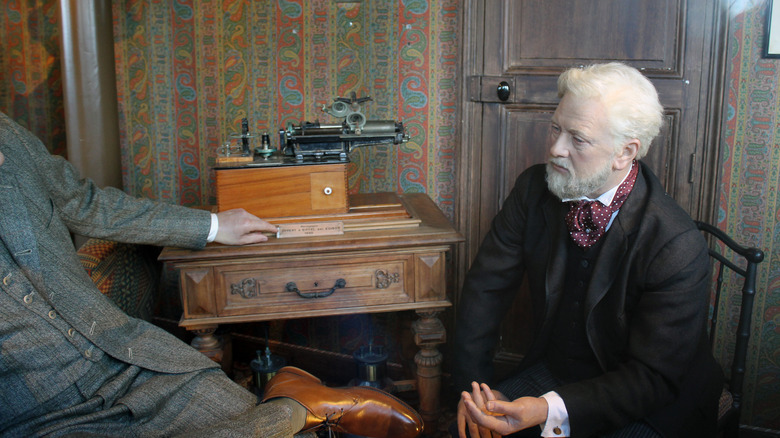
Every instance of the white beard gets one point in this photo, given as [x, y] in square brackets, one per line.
[572, 186]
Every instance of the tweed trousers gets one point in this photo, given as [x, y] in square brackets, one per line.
[133, 402]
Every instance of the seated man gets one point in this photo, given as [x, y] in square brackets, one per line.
[617, 273]
[71, 363]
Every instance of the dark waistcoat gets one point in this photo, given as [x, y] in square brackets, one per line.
[569, 355]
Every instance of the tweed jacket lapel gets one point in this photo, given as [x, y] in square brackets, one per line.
[15, 230]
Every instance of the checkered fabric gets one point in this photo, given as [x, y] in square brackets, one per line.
[128, 274]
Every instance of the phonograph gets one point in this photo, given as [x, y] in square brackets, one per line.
[304, 179]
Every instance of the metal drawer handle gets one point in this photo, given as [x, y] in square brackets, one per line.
[291, 287]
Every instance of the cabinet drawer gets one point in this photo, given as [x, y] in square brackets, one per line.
[266, 288]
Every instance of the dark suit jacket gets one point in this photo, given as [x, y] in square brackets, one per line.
[645, 307]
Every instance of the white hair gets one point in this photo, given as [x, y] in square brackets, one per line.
[631, 100]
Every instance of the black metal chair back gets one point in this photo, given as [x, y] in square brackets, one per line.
[750, 257]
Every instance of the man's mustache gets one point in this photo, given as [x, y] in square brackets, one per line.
[561, 162]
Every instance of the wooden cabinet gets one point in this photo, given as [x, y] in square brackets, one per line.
[371, 270]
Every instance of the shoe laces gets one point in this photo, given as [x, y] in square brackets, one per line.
[328, 420]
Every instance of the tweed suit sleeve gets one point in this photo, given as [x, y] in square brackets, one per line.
[660, 331]
[489, 288]
[108, 213]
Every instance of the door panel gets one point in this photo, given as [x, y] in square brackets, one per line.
[561, 33]
[526, 44]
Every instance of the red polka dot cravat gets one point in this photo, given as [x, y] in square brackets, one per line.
[587, 220]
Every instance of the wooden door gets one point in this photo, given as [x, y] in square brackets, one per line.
[521, 46]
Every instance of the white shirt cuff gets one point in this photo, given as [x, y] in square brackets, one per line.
[557, 423]
[214, 227]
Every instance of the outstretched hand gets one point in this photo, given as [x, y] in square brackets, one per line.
[500, 416]
[239, 227]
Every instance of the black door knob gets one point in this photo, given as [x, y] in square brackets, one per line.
[503, 91]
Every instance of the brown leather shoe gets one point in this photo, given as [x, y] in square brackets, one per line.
[359, 410]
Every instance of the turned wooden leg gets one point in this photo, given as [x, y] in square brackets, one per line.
[213, 346]
[429, 333]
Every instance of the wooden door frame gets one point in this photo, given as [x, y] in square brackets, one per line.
[469, 151]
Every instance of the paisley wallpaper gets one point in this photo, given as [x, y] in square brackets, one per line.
[188, 71]
[749, 199]
[30, 86]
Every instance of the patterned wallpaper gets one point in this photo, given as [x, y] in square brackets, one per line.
[30, 86]
[190, 70]
[749, 199]
[189, 73]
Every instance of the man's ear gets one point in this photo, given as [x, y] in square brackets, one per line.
[626, 154]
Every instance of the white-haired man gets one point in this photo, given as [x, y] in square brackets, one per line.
[617, 273]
